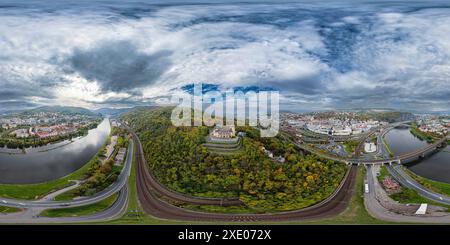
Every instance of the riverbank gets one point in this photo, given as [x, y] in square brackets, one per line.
[38, 190]
[436, 186]
[105, 171]
[34, 142]
[52, 162]
[421, 135]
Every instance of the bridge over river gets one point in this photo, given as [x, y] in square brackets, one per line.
[403, 158]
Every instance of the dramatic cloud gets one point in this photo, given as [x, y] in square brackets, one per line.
[320, 55]
[119, 66]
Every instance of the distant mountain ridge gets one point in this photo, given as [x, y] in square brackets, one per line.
[112, 111]
[63, 109]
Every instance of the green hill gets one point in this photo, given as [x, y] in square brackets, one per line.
[179, 160]
[63, 110]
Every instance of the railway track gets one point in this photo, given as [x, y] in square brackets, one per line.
[150, 191]
[155, 186]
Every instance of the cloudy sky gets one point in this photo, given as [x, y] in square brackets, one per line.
[320, 55]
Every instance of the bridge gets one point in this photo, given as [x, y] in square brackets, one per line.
[404, 158]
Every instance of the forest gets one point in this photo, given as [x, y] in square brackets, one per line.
[178, 159]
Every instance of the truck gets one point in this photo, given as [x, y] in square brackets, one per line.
[366, 188]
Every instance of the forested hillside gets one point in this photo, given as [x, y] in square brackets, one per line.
[180, 161]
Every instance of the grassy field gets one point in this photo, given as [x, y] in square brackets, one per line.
[406, 195]
[70, 195]
[350, 146]
[383, 173]
[436, 186]
[66, 196]
[4, 209]
[83, 210]
[36, 191]
[388, 147]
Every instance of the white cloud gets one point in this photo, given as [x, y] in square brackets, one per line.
[407, 53]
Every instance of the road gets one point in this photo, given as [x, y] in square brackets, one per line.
[405, 180]
[405, 156]
[149, 194]
[46, 203]
[32, 215]
[359, 160]
[32, 209]
[378, 211]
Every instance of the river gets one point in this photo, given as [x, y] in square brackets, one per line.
[435, 167]
[47, 163]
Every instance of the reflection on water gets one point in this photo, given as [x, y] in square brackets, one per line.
[435, 167]
[402, 141]
[38, 166]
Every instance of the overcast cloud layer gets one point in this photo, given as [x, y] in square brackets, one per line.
[320, 55]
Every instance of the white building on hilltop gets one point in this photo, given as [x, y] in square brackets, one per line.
[223, 132]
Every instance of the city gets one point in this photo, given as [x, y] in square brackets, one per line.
[409, 194]
[40, 127]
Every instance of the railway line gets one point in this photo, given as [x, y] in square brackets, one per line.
[150, 192]
[154, 185]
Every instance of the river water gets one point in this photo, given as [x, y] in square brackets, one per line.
[435, 167]
[49, 163]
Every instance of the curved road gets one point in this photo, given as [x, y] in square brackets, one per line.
[377, 161]
[32, 215]
[149, 193]
[405, 180]
[376, 210]
[111, 190]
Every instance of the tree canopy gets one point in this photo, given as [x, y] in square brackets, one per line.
[178, 159]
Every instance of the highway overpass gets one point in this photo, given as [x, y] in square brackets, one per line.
[404, 158]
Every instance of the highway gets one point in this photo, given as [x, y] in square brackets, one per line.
[384, 160]
[375, 209]
[32, 215]
[32, 209]
[109, 191]
[149, 194]
[398, 158]
[405, 180]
